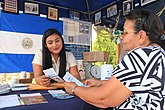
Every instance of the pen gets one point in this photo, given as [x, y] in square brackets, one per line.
[20, 100]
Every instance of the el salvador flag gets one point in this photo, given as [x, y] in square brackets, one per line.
[20, 38]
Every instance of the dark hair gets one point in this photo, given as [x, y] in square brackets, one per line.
[46, 54]
[150, 23]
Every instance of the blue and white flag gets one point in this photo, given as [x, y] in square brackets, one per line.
[20, 37]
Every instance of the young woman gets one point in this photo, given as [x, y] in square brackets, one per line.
[53, 54]
[138, 81]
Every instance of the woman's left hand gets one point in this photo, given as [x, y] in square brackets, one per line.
[69, 86]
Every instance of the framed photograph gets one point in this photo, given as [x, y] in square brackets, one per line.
[11, 6]
[145, 2]
[53, 14]
[97, 18]
[71, 38]
[31, 8]
[128, 5]
[112, 10]
[74, 14]
[84, 28]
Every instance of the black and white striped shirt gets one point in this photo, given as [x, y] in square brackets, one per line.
[142, 71]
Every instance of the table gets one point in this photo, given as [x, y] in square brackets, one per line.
[53, 104]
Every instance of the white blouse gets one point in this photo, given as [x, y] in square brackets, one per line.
[70, 61]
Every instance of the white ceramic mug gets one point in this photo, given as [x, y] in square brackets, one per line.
[22, 74]
[14, 80]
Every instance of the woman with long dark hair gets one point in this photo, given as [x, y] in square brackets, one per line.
[53, 55]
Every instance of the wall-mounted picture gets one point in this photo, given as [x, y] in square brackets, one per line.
[52, 13]
[145, 2]
[11, 6]
[31, 8]
[97, 18]
[127, 6]
[112, 10]
[71, 39]
[74, 14]
[84, 28]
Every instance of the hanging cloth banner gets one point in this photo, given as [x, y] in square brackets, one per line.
[20, 37]
[77, 35]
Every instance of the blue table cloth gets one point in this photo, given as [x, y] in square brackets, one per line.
[53, 103]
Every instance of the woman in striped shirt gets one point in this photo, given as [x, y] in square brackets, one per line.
[139, 79]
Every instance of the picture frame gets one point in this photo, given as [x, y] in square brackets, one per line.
[71, 39]
[112, 10]
[97, 19]
[145, 2]
[53, 13]
[31, 8]
[11, 6]
[74, 14]
[84, 28]
[128, 5]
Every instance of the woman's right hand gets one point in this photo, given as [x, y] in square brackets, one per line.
[93, 83]
[43, 80]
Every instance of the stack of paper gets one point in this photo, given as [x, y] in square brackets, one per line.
[4, 88]
[18, 87]
[9, 101]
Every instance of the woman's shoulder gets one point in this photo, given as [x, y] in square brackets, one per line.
[70, 56]
[39, 51]
[38, 57]
[149, 50]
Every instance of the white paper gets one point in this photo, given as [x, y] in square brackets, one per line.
[4, 88]
[52, 74]
[18, 87]
[56, 91]
[70, 78]
[9, 101]
[29, 95]
[60, 94]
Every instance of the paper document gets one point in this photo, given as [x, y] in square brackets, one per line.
[56, 91]
[52, 74]
[70, 78]
[18, 87]
[34, 98]
[60, 94]
[9, 101]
